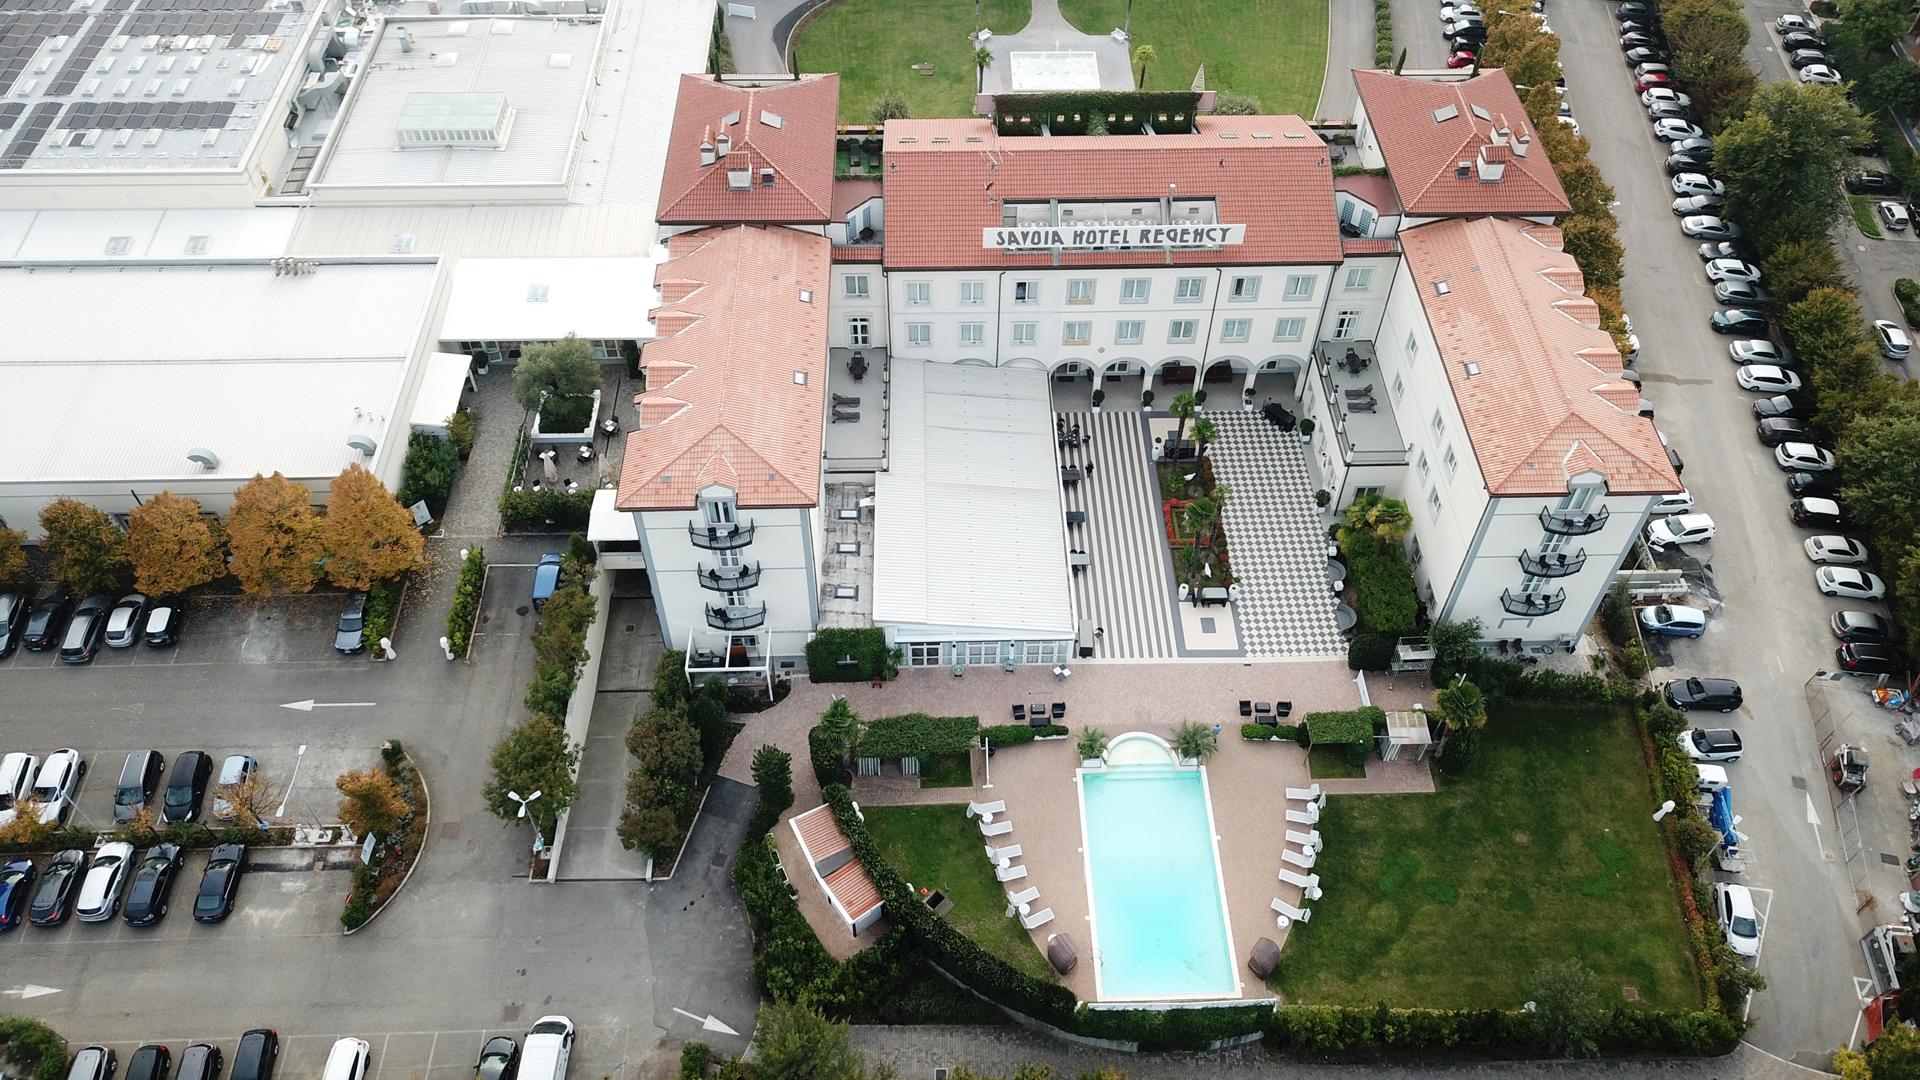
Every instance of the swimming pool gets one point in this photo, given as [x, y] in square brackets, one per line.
[1153, 885]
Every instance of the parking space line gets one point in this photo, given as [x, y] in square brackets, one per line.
[431, 1047]
[382, 1067]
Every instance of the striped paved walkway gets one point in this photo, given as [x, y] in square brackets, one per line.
[1129, 588]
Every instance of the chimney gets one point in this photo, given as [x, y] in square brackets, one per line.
[1462, 169]
[1492, 164]
[723, 144]
[1501, 135]
[706, 148]
[1520, 145]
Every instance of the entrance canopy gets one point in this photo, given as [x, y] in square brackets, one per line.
[439, 396]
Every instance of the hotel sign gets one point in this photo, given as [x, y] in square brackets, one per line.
[1092, 237]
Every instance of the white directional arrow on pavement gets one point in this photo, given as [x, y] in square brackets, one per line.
[309, 705]
[28, 991]
[709, 1022]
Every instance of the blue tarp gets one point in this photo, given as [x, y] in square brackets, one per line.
[1720, 816]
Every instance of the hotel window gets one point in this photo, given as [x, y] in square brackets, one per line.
[973, 333]
[1299, 286]
[1413, 347]
[856, 286]
[1343, 326]
[923, 654]
[1077, 332]
[1026, 292]
[1181, 331]
[1366, 490]
[981, 653]
[1189, 290]
[919, 333]
[1244, 289]
[1024, 332]
[1426, 471]
[1359, 277]
[1451, 461]
[1399, 387]
[1236, 329]
[1133, 290]
[919, 292]
[1080, 291]
[718, 511]
[1129, 332]
[1433, 501]
[859, 331]
[1439, 426]
[973, 292]
[1289, 329]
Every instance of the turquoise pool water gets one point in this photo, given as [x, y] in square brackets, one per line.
[1159, 923]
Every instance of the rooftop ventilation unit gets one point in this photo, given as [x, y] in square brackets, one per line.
[460, 119]
[206, 459]
[364, 444]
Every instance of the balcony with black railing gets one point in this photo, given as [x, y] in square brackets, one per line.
[720, 537]
[1552, 564]
[1573, 522]
[1532, 604]
[729, 578]
[737, 618]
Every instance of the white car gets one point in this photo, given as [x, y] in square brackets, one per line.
[1671, 129]
[1664, 93]
[53, 788]
[1819, 75]
[1802, 457]
[1760, 351]
[1740, 292]
[1693, 183]
[1850, 582]
[1835, 550]
[1712, 744]
[1678, 503]
[1893, 215]
[16, 780]
[1709, 227]
[1766, 379]
[1567, 119]
[548, 1046]
[1787, 24]
[1733, 906]
[236, 769]
[346, 1061]
[1732, 269]
[1679, 529]
[106, 877]
[1894, 344]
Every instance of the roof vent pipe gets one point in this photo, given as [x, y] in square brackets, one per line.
[204, 458]
[723, 144]
[405, 37]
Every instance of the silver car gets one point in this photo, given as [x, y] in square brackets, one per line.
[1836, 550]
[1760, 351]
[123, 623]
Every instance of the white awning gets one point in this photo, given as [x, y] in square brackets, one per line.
[547, 299]
[609, 525]
[439, 396]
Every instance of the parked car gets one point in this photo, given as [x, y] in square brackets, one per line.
[1687, 161]
[1678, 503]
[1673, 456]
[16, 883]
[85, 630]
[1461, 58]
[220, 883]
[236, 770]
[13, 622]
[1867, 658]
[259, 1051]
[1801, 39]
[1720, 744]
[1648, 80]
[199, 1061]
[1795, 406]
[1810, 483]
[152, 885]
[1693, 183]
[94, 1062]
[1665, 93]
[1816, 511]
[1893, 215]
[1806, 58]
[106, 876]
[1744, 293]
[1733, 906]
[1760, 351]
[349, 637]
[17, 771]
[1778, 429]
[186, 787]
[1701, 693]
[1851, 625]
[346, 1061]
[1639, 40]
[1696, 205]
[1671, 130]
[1766, 379]
[44, 622]
[1634, 9]
[1851, 582]
[546, 579]
[1819, 75]
[1709, 227]
[1868, 182]
[1673, 620]
[139, 777]
[1738, 320]
[1787, 24]
[53, 898]
[499, 1059]
[54, 786]
[1679, 529]
[549, 1044]
[1894, 344]
[164, 622]
[150, 1062]
[123, 623]
[1666, 111]
[1803, 457]
[1464, 30]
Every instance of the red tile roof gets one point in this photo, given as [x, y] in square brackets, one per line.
[850, 885]
[721, 404]
[946, 179]
[1376, 191]
[1547, 401]
[849, 194]
[787, 127]
[1423, 153]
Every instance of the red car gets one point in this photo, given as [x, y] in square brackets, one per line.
[1461, 58]
[1652, 79]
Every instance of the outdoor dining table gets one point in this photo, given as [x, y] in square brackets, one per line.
[1069, 476]
[1213, 595]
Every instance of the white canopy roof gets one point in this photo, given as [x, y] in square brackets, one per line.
[440, 386]
[547, 299]
[610, 525]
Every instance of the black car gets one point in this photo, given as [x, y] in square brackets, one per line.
[13, 622]
[150, 1062]
[1634, 10]
[199, 1061]
[1775, 430]
[214, 902]
[1638, 26]
[139, 778]
[1698, 693]
[164, 621]
[44, 621]
[1803, 484]
[152, 885]
[94, 1062]
[85, 630]
[1861, 626]
[1637, 39]
[53, 899]
[1751, 322]
[1679, 162]
[1786, 405]
[1814, 512]
[1872, 183]
[1647, 54]
[16, 881]
[1470, 38]
[499, 1059]
[1801, 58]
[1800, 39]
[254, 1060]
[186, 787]
[1865, 658]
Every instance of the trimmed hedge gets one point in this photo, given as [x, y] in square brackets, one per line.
[428, 473]
[825, 757]
[1344, 728]
[1383, 33]
[867, 646]
[383, 605]
[546, 510]
[1358, 1034]
[917, 735]
[466, 600]
[1014, 734]
[1382, 584]
[1086, 112]
[1271, 733]
[1369, 651]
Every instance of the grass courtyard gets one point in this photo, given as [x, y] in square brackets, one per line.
[936, 847]
[1275, 50]
[874, 45]
[1545, 850]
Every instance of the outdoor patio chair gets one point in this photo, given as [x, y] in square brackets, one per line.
[1365, 406]
[1305, 794]
[1038, 919]
[1019, 713]
[1283, 708]
[1000, 856]
[1289, 912]
[984, 809]
[998, 828]
[1010, 873]
[1309, 816]
[1059, 710]
[1310, 840]
[1025, 896]
[1295, 877]
[1246, 707]
[1301, 859]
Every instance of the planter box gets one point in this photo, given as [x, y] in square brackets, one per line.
[585, 435]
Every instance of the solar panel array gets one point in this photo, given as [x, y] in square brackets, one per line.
[23, 32]
[9, 112]
[88, 48]
[234, 25]
[164, 115]
[25, 143]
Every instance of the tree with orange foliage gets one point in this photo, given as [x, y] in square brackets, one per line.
[368, 536]
[274, 537]
[172, 546]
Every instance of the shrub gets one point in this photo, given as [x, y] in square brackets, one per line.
[1344, 728]
[1616, 615]
[707, 711]
[1370, 651]
[546, 510]
[1268, 732]
[824, 755]
[843, 654]
[465, 608]
[383, 606]
[1015, 734]
[460, 429]
[1382, 583]
[917, 735]
[36, 1049]
[1226, 103]
[429, 471]
[1907, 291]
[694, 1059]
[773, 775]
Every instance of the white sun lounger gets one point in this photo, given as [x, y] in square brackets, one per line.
[1303, 860]
[998, 828]
[1010, 873]
[1309, 839]
[1003, 855]
[1289, 913]
[1305, 794]
[1037, 919]
[1309, 816]
[1025, 896]
[1295, 877]
[986, 810]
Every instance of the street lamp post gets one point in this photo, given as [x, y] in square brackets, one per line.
[298, 756]
[539, 841]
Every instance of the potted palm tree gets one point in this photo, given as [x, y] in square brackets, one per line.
[1091, 745]
[1099, 395]
[1195, 742]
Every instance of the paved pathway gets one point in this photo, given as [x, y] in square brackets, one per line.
[1128, 591]
[1349, 46]
[1049, 31]
[473, 511]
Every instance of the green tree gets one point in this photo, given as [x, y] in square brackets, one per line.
[1230, 104]
[172, 546]
[1386, 520]
[1197, 519]
[273, 536]
[1568, 1008]
[1204, 433]
[431, 465]
[1704, 33]
[843, 728]
[707, 711]
[1782, 162]
[1456, 647]
[87, 550]
[32, 1048]
[982, 60]
[1798, 267]
[891, 105]
[557, 379]
[367, 535]
[773, 775]
[1143, 55]
[1874, 25]
[1193, 740]
[1880, 460]
[1894, 86]
[1461, 705]
[1594, 242]
[1723, 89]
[13, 556]
[667, 747]
[535, 756]
[794, 1042]
[1587, 190]
[1183, 407]
[1516, 44]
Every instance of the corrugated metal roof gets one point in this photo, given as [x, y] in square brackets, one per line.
[969, 530]
[510, 231]
[649, 45]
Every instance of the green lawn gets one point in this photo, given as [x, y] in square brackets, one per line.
[1864, 215]
[1547, 850]
[1275, 50]
[874, 44]
[1330, 763]
[936, 847]
[947, 770]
